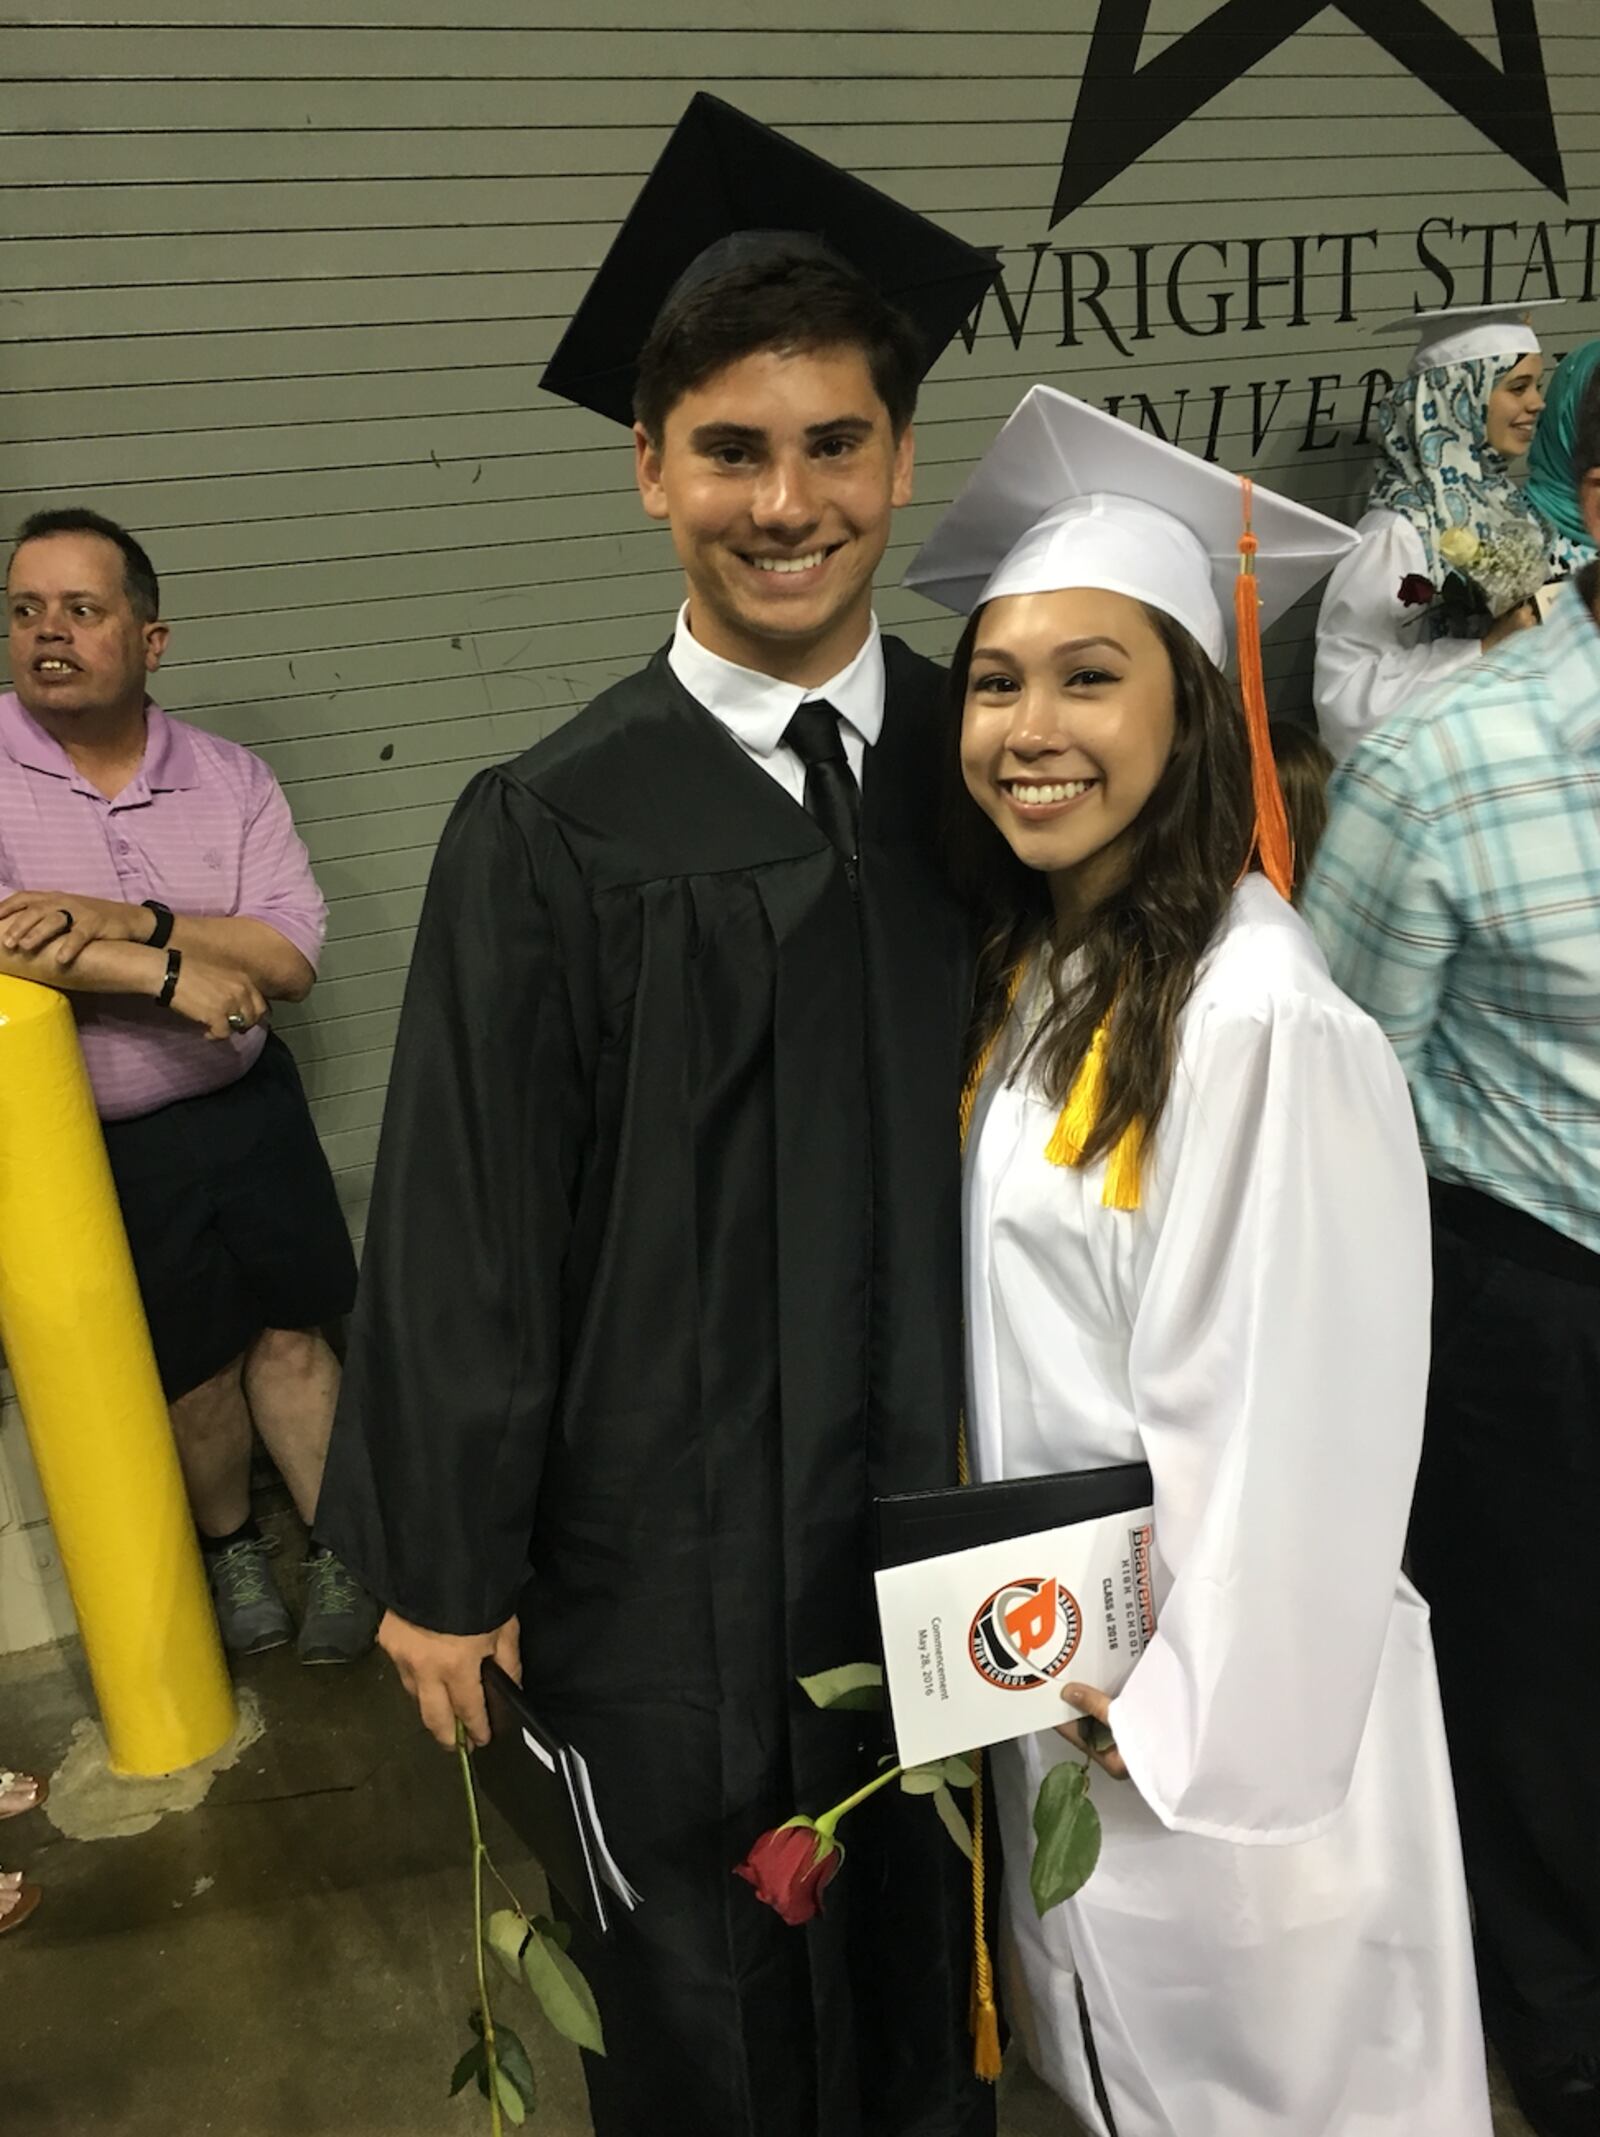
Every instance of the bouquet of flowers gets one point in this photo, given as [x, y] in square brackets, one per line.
[1486, 580]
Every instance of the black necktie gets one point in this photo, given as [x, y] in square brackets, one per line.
[832, 796]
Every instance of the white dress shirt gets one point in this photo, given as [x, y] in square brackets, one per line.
[755, 709]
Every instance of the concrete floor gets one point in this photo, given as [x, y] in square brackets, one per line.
[291, 1957]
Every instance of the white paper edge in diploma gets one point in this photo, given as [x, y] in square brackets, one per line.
[977, 1644]
[538, 1749]
[609, 1867]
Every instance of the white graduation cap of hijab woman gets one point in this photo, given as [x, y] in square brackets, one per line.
[1069, 497]
[1456, 333]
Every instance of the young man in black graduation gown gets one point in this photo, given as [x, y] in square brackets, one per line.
[661, 1280]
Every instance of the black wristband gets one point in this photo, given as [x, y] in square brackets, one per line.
[161, 934]
[169, 986]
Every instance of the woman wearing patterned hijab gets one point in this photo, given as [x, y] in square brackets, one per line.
[1450, 550]
[1552, 473]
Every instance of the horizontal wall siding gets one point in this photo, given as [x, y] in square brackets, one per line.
[277, 292]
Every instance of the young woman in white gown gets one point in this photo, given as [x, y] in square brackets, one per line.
[1197, 1235]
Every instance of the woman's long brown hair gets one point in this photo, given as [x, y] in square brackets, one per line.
[1142, 946]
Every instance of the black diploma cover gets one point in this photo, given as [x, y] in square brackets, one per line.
[530, 1777]
[928, 1524]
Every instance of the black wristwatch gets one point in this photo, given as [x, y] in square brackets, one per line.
[169, 986]
[161, 934]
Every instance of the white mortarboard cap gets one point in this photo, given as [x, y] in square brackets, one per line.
[1069, 496]
[1459, 332]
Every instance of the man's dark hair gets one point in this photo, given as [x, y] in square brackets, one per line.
[795, 303]
[138, 573]
[1586, 440]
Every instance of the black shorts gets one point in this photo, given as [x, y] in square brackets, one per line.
[233, 1220]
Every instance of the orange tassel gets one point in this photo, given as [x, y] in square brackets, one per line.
[1271, 838]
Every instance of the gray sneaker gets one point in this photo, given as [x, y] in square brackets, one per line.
[249, 1608]
[341, 1619]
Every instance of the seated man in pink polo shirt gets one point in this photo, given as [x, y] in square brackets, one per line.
[152, 872]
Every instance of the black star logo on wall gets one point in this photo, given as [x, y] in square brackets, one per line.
[1125, 109]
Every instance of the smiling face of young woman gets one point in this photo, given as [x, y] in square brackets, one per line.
[1514, 408]
[1068, 723]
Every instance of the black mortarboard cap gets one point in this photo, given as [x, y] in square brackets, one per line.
[727, 189]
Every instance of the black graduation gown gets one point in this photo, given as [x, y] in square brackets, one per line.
[661, 1286]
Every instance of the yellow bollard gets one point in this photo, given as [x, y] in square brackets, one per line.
[73, 1331]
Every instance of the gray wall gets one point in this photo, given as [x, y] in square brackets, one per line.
[277, 297]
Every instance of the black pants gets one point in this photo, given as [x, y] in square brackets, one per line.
[1505, 1545]
[232, 1219]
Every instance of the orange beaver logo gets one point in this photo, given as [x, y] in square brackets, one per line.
[1025, 1634]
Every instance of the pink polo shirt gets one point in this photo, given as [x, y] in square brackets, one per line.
[204, 828]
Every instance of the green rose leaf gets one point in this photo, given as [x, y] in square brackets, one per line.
[557, 1932]
[564, 1996]
[475, 2060]
[514, 2064]
[508, 1932]
[954, 1824]
[852, 1688]
[959, 1772]
[512, 2105]
[1066, 1829]
[1096, 1734]
[921, 1780]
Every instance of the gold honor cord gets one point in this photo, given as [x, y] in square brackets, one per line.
[982, 2017]
[1075, 1125]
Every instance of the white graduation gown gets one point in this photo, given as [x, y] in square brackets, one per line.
[1373, 653]
[1275, 1939]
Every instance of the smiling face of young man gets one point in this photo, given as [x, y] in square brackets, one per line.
[79, 652]
[779, 476]
[1069, 720]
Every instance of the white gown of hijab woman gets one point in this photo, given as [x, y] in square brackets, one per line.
[1275, 1941]
[1374, 650]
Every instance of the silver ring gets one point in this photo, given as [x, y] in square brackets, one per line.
[236, 1022]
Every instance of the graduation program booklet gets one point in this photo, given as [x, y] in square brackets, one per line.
[978, 1642]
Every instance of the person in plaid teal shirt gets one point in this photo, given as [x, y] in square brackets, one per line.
[1456, 895]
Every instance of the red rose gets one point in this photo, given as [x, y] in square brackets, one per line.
[791, 1869]
[1415, 590]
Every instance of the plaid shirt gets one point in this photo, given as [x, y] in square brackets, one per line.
[1456, 895]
